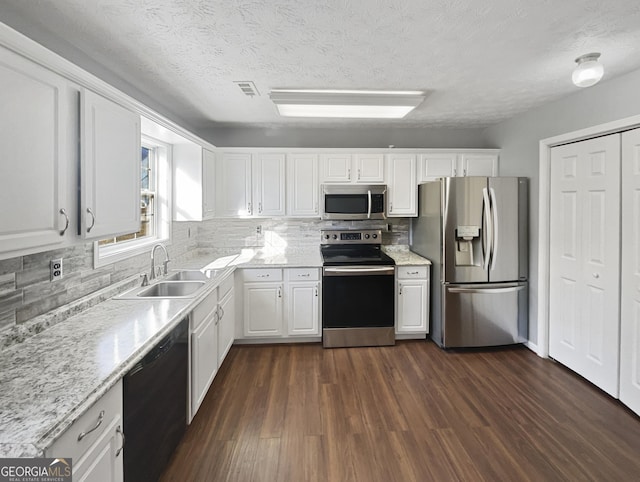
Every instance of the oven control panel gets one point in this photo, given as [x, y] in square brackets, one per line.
[365, 236]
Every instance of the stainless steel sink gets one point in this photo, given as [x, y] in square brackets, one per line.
[212, 273]
[187, 275]
[194, 275]
[171, 289]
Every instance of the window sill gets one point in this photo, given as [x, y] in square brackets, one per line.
[103, 256]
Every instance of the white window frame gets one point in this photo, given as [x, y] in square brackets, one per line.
[111, 253]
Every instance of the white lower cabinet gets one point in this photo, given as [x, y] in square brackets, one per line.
[281, 306]
[227, 317]
[212, 334]
[303, 305]
[412, 300]
[262, 302]
[204, 359]
[95, 441]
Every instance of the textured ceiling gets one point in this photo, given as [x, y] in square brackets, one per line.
[482, 61]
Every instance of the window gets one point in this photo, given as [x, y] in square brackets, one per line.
[154, 213]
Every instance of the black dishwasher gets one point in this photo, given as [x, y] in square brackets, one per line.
[155, 406]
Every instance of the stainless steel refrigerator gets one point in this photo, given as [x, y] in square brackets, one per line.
[475, 232]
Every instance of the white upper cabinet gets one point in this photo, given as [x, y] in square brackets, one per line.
[441, 164]
[250, 184]
[336, 168]
[433, 165]
[109, 168]
[478, 164]
[193, 183]
[402, 188]
[357, 168]
[302, 185]
[233, 185]
[208, 184]
[268, 185]
[38, 127]
[369, 168]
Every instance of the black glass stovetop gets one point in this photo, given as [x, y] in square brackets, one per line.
[355, 254]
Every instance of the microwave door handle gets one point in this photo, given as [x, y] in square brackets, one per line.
[369, 210]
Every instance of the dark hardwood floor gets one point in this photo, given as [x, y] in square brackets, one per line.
[411, 412]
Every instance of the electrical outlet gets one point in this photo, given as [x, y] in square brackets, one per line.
[56, 269]
[259, 229]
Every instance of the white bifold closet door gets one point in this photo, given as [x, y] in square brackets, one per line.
[584, 319]
[630, 272]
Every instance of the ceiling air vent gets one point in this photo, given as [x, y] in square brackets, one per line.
[247, 87]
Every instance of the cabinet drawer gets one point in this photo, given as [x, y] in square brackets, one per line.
[302, 274]
[204, 309]
[412, 272]
[225, 286]
[262, 274]
[92, 424]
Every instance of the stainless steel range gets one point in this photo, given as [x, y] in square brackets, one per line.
[358, 290]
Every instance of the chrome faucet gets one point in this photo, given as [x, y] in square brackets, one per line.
[153, 261]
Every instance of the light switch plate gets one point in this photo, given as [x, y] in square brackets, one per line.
[56, 269]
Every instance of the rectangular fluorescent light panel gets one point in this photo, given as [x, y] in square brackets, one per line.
[345, 103]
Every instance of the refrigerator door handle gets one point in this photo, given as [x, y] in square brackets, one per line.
[486, 290]
[487, 235]
[494, 225]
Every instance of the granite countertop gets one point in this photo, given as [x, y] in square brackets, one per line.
[52, 378]
[403, 256]
[257, 258]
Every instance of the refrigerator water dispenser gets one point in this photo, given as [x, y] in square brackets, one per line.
[466, 237]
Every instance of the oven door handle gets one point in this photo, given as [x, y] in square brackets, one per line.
[359, 271]
[369, 210]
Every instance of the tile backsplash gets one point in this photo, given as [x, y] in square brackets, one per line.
[27, 294]
[289, 234]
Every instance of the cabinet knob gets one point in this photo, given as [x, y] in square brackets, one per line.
[596, 275]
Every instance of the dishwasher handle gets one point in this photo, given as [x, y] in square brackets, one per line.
[160, 349]
[359, 271]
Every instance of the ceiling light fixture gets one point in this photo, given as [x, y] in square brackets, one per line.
[589, 71]
[378, 104]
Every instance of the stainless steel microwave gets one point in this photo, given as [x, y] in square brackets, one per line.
[353, 201]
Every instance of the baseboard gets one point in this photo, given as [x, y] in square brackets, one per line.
[532, 346]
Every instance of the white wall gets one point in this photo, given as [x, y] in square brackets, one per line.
[338, 136]
[518, 140]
